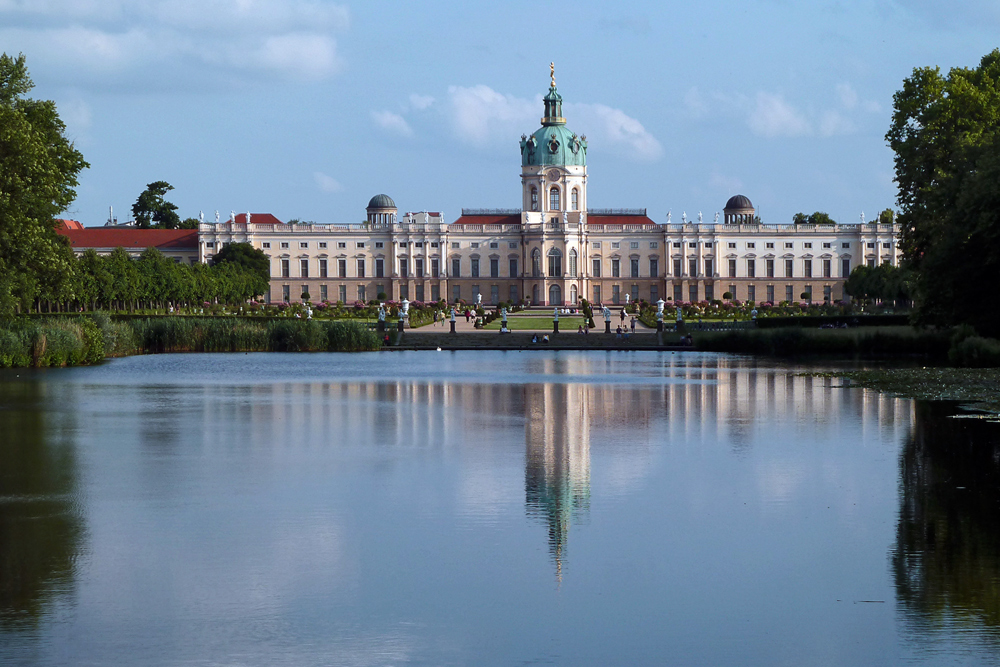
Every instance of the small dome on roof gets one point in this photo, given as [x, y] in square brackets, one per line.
[381, 201]
[739, 201]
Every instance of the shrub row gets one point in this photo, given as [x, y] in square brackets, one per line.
[794, 341]
[89, 339]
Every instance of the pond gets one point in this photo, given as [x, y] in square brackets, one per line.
[459, 508]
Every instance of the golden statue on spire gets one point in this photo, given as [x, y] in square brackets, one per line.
[552, 73]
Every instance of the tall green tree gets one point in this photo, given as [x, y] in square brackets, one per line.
[945, 133]
[38, 173]
[152, 210]
[246, 256]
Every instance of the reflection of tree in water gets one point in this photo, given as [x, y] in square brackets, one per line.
[40, 526]
[947, 557]
[557, 459]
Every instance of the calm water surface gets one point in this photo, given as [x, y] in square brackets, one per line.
[489, 508]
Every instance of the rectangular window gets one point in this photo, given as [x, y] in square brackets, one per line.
[732, 268]
[343, 293]
[379, 289]
[494, 245]
[692, 244]
[419, 292]
[303, 244]
[341, 244]
[615, 294]
[597, 245]
[709, 291]
[361, 244]
[654, 267]
[788, 268]
[494, 267]
[434, 244]
[827, 245]
[634, 245]
[378, 244]
[361, 268]
[555, 266]
[677, 268]
[322, 244]
[827, 293]
[341, 268]
[809, 292]
[475, 292]
[769, 245]
[693, 292]
[708, 245]
[597, 293]
[751, 268]
[871, 262]
[494, 294]
[654, 244]
[284, 269]
[807, 245]
[789, 294]
[286, 293]
[788, 245]
[284, 245]
[635, 293]
[827, 268]
[596, 272]
[845, 268]
[456, 293]
[846, 246]
[404, 291]
[454, 244]
[769, 267]
[708, 269]
[512, 268]
[732, 245]
[615, 245]
[435, 293]
[513, 293]
[322, 268]
[379, 267]
[634, 267]
[654, 294]
[322, 293]
[677, 244]
[616, 270]
[456, 267]
[692, 267]
[474, 244]
[886, 244]
[572, 264]
[770, 293]
[419, 266]
[304, 268]
[678, 292]
[512, 245]
[807, 268]
[751, 246]
[404, 268]
[265, 244]
[752, 293]
[361, 294]
[435, 269]
[475, 267]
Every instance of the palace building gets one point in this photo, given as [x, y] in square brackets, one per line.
[555, 250]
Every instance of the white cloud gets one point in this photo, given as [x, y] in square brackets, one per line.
[393, 122]
[833, 123]
[481, 113]
[772, 116]
[420, 102]
[157, 40]
[327, 183]
[617, 130]
[848, 98]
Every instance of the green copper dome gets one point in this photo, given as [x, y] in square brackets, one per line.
[553, 143]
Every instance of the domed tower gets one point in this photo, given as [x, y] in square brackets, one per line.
[739, 210]
[554, 164]
[381, 211]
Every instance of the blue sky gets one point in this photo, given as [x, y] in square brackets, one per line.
[307, 108]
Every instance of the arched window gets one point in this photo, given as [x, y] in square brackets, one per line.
[554, 199]
[534, 198]
[536, 263]
[572, 261]
[555, 263]
[575, 199]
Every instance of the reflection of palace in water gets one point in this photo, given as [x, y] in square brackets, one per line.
[564, 407]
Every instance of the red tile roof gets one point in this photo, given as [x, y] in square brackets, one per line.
[68, 224]
[131, 238]
[488, 220]
[619, 220]
[258, 219]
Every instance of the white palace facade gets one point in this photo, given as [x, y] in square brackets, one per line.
[554, 249]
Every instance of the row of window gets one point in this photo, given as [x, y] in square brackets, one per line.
[555, 199]
[360, 266]
[790, 295]
[826, 267]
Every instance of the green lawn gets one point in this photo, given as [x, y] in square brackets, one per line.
[529, 322]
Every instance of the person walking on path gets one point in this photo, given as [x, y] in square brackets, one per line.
[622, 313]
[468, 315]
[633, 325]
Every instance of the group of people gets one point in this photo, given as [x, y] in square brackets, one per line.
[545, 338]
